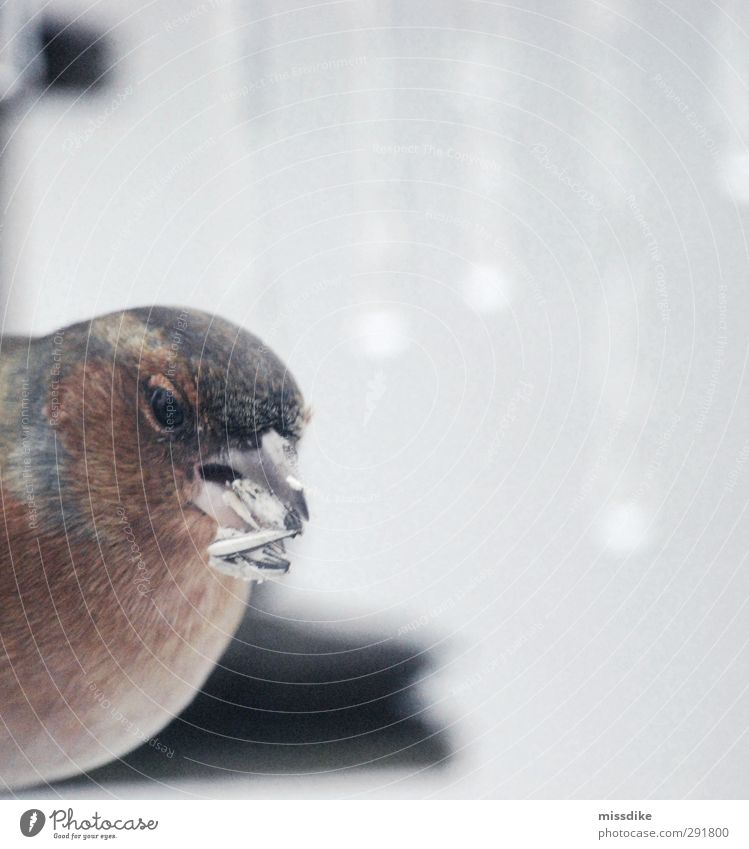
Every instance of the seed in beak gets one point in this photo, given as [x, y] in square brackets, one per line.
[244, 543]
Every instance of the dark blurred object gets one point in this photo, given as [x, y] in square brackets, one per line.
[39, 54]
[75, 56]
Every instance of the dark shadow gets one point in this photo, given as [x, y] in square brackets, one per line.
[295, 698]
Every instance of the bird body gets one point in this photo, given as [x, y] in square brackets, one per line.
[111, 433]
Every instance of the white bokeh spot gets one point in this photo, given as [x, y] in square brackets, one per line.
[623, 528]
[486, 289]
[735, 175]
[381, 334]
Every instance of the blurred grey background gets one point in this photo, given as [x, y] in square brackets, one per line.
[503, 249]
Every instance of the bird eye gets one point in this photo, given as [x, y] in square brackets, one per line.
[167, 409]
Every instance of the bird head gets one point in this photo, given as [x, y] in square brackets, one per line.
[167, 407]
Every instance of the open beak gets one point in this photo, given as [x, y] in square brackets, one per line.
[257, 502]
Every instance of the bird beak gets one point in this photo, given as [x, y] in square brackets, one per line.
[257, 502]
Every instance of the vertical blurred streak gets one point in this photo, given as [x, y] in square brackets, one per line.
[259, 47]
[730, 82]
[20, 67]
[660, 77]
[19, 46]
[613, 138]
[376, 111]
[478, 186]
[289, 114]
[42, 51]
[730, 79]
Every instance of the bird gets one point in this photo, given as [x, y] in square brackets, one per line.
[130, 444]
